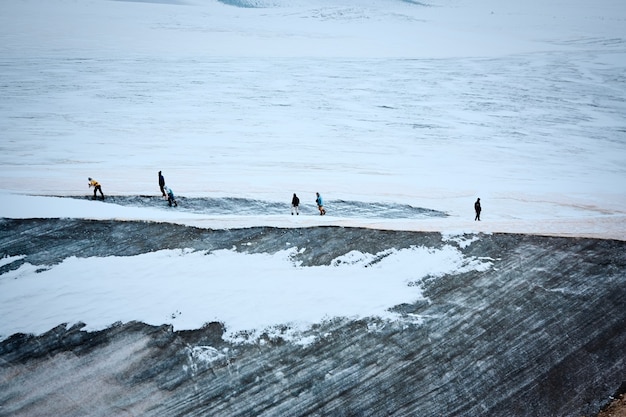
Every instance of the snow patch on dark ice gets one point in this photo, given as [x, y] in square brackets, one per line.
[538, 329]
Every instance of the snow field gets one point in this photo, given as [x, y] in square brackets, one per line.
[243, 291]
[431, 105]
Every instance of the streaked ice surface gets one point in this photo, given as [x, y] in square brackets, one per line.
[539, 123]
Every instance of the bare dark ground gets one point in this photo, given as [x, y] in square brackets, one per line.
[542, 333]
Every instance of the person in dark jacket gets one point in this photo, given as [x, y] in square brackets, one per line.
[295, 202]
[477, 208]
[162, 184]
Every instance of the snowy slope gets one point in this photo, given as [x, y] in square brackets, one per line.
[429, 105]
[390, 109]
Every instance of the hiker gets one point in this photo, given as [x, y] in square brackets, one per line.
[170, 197]
[295, 202]
[477, 208]
[320, 204]
[96, 187]
[162, 184]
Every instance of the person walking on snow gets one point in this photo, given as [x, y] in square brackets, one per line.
[295, 202]
[96, 187]
[170, 197]
[477, 208]
[162, 184]
[320, 204]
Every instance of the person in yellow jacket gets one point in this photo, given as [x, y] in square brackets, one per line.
[96, 187]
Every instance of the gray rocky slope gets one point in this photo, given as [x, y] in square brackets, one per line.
[542, 333]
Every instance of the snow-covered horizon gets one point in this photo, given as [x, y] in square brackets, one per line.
[429, 104]
[293, 28]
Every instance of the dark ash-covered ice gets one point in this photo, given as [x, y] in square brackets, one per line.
[542, 333]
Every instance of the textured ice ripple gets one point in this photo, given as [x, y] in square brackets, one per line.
[253, 207]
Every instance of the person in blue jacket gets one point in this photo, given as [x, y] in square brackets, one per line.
[320, 204]
[170, 197]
